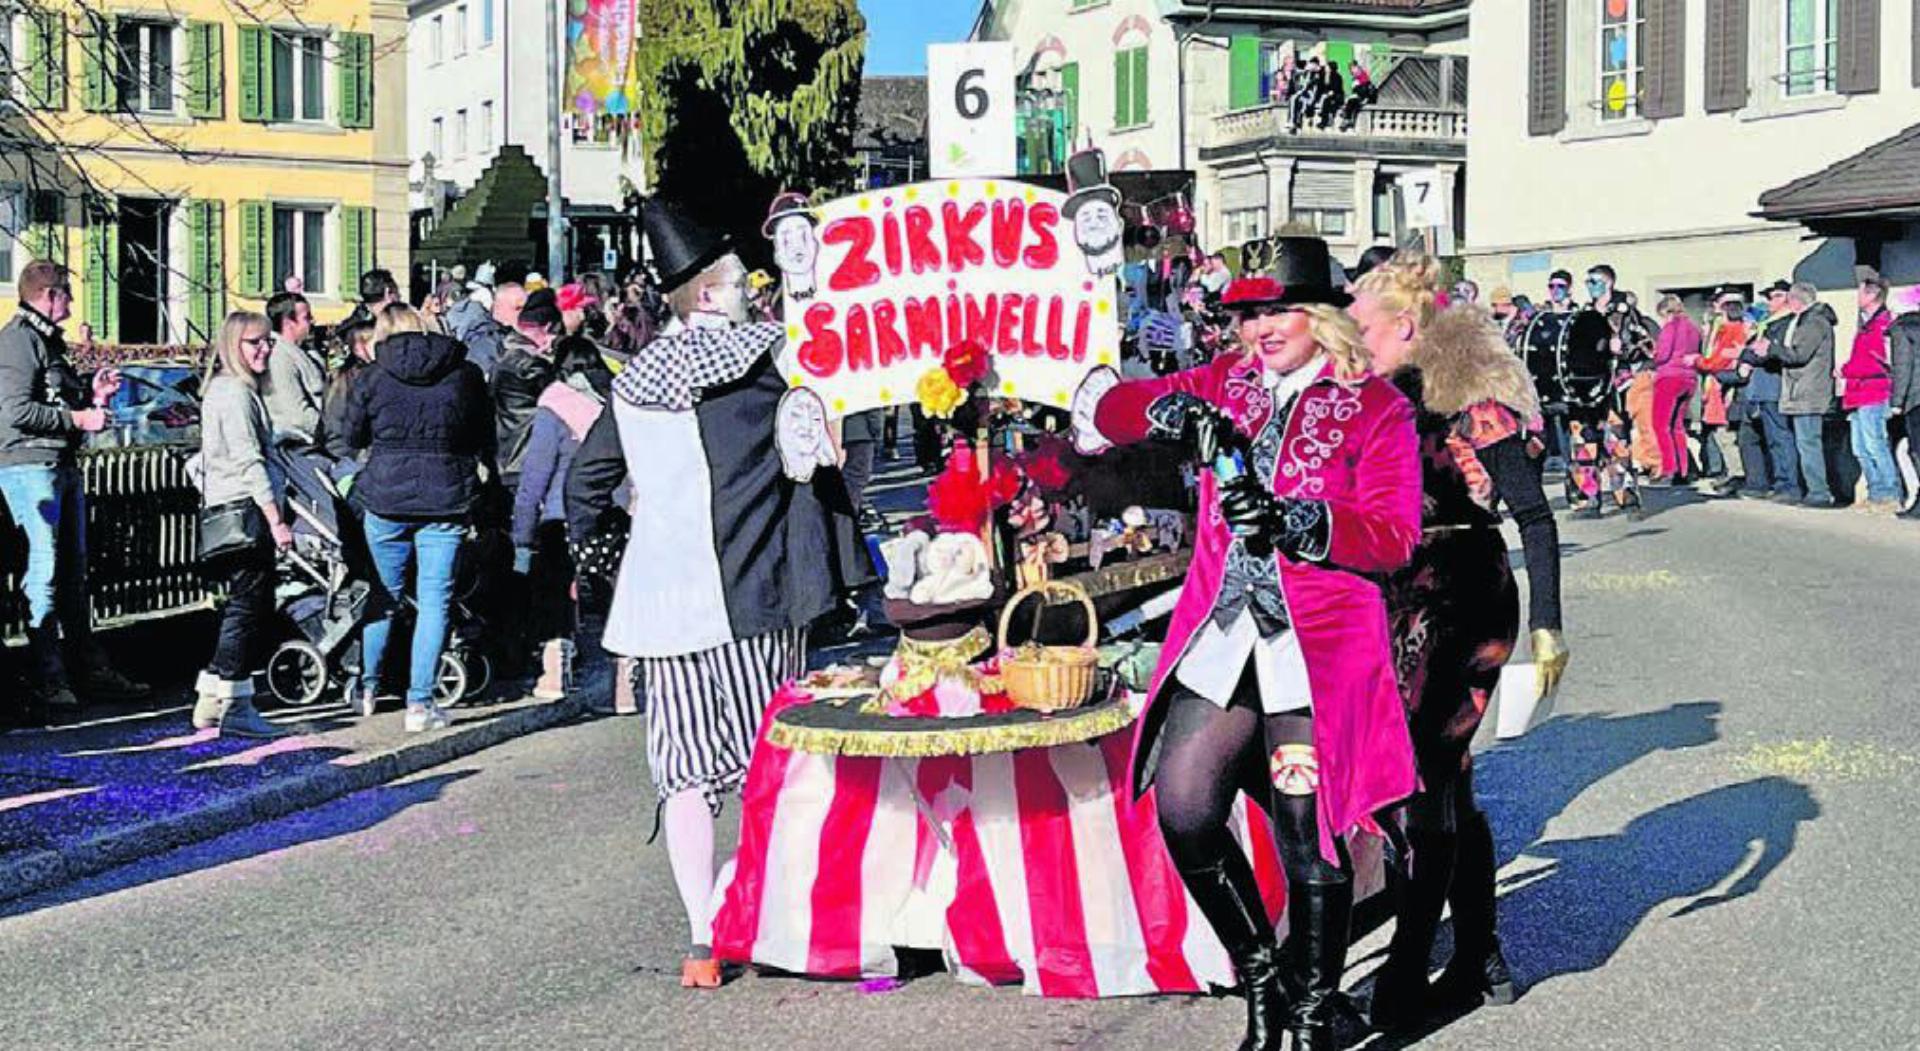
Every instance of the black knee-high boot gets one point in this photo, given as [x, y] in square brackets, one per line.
[1400, 993]
[1478, 972]
[1230, 899]
[1317, 932]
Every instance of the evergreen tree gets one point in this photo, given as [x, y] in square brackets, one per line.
[741, 99]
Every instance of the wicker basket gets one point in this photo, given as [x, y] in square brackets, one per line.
[1049, 678]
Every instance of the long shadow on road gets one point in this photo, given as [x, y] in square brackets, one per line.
[1574, 912]
[345, 816]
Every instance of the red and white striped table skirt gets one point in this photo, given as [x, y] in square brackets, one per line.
[1028, 867]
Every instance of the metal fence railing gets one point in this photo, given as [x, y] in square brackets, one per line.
[142, 520]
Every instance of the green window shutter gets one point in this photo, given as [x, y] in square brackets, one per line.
[1122, 94]
[45, 60]
[46, 233]
[1244, 56]
[206, 70]
[256, 74]
[355, 69]
[206, 269]
[1070, 86]
[356, 246]
[256, 248]
[101, 300]
[99, 88]
[1140, 85]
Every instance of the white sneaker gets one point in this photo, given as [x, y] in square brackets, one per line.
[363, 700]
[424, 718]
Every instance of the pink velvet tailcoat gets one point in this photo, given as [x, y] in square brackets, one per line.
[1353, 445]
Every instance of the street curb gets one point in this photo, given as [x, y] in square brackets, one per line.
[42, 870]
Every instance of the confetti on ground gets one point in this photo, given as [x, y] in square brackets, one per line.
[1657, 580]
[1825, 759]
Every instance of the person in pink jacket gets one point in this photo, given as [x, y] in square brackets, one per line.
[1278, 658]
[1675, 354]
[1867, 392]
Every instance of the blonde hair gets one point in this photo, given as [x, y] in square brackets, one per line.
[1408, 283]
[1670, 305]
[228, 357]
[395, 318]
[1340, 338]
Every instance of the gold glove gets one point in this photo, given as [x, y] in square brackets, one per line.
[1550, 659]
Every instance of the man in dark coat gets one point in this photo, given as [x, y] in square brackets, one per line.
[1903, 341]
[524, 370]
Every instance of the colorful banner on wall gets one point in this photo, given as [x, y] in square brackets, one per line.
[600, 47]
[880, 285]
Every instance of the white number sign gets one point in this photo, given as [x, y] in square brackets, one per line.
[970, 110]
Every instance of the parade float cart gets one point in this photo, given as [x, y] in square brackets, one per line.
[998, 833]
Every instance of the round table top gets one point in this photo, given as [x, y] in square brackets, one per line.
[830, 728]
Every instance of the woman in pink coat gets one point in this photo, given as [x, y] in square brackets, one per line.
[1277, 677]
[1675, 356]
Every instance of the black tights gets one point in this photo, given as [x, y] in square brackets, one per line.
[1453, 862]
[1207, 755]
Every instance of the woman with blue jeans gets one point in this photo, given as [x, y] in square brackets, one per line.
[1869, 389]
[422, 412]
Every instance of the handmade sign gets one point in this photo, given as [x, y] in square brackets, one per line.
[882, 286]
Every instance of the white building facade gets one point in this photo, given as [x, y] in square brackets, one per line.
[1177, 85]
[478, 80]
[1642, 133]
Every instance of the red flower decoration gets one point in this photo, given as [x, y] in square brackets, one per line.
[961, 501]
[1046, 464]
[1253, 291]
[966, 363]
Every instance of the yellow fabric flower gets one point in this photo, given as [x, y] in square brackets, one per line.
[938, 394]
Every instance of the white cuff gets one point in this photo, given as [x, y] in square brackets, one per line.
[1087, 439]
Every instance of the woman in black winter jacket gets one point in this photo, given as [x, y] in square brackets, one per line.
[422, 412]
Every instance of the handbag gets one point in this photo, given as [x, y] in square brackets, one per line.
[234, 528]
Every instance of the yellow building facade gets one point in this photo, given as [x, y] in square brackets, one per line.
[184, 160]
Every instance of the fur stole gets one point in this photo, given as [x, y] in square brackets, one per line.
[1463, 362]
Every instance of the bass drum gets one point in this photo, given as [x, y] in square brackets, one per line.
[1543, 347]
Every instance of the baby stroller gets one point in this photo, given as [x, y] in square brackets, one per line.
[327, 592]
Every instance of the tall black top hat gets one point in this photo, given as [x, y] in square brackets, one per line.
[1304, 270]
[681, 247]
[1087, 182]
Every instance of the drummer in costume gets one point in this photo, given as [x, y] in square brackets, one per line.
[1455, 613]
[1277, 676]
[1609, 336]
[727, 561]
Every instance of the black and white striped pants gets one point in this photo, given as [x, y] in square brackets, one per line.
[704, 710]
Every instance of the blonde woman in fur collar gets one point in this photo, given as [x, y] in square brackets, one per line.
[1455, 613]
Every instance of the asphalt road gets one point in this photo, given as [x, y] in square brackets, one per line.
[1709, 849]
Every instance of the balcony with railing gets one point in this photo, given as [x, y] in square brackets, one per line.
[1263, 124]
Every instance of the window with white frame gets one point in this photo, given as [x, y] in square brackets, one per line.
[436, 39]
[300, 246]
[7, 89]
[486, 22]
[13, 227]
[437, 141]
[1810, 42]
[1328, 222]
[459, 31]
[460, 133]
[299, 76]
[486, 127]
[145, 71]
[1622, 23]
[1244, 224]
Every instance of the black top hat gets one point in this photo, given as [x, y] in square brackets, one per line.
[681, 247]
[1087, 182]
[1305, 271]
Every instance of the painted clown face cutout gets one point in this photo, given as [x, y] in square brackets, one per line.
[795, 250]
[1097, 230]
